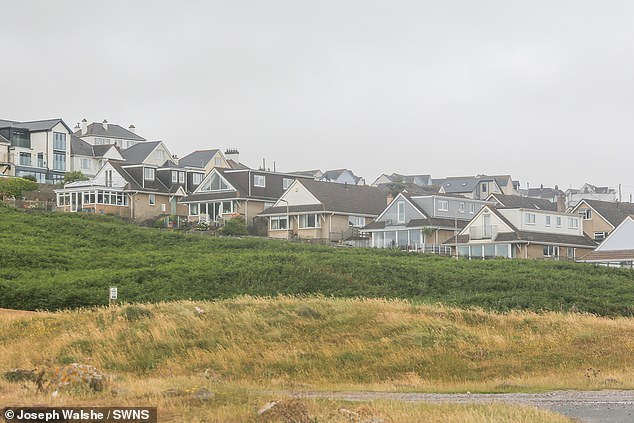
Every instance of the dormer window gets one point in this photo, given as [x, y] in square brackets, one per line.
[443, 205]
[286, 182]
[148, 173]
[197, 178]
[259, 181]
[181, 177]
[174, 176]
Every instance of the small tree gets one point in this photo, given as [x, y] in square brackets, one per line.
[235, 226]
[74, 176]
[396, 187]
[427, 232]
[13, 187]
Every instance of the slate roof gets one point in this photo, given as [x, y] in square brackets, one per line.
[613, 212]
[35, 125]
[139, 152]
[608, 256]
[455, 185]
[4, 140]
[309, 173]
[198, 158]
[341, 198]
[414, 189]
[134, 178]
[542, 192]
[333, 175]
[237, 165]
[96, 129]
[517, 202]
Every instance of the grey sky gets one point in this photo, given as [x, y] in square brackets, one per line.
[543, 90]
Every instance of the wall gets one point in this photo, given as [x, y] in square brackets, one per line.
[142, 210]
[595, 224]
[518, 218]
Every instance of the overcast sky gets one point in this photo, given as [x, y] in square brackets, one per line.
[543, 90]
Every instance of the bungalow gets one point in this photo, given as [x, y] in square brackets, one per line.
[322, 210]
[617, 249]
[600, 218]
[522, 233]
[421, 222]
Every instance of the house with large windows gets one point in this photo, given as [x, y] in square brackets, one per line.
[225, 193]
[316, 210]
[422, 222]
[522, 233]
[38, 148]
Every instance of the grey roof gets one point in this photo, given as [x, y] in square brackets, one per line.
[135, 179]
[4, 140]
[341, 198]
[598, 190]
[198, 158]
[413, 189]
[460, 184]
[613, 212]
[237, 165]
[100, 150]
[139, 152]
[333, 175]
[517, 202]
[211, 196]
[541, 192]
[35, 125]
[79, 147]
[96, 129]
[311, 173]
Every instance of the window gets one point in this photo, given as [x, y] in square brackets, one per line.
[484, 187]
[586, 214]
[268, 204]
[193, 209]
[218, 161]
[163, 207]
[148, 173]
[443, 205]
[551, 251]
[160, 155]
[400, 212]
[174, 176]
[197, 178]
[530, 218]
[461, 207]
[356, 221]
[259, 180]
[25, 159]
[573, 223]
[559, 221]
[472, 208]
[600, 236]
[40, 159]
[59, 161]
[152, 199]
[279, 223]
[108, 178]
[215, 183]
[309, 221]
[286, 182]
[59, 141]
[571, 253]
[85, 164]
[547, 220]
[227, 207]
[181, 177]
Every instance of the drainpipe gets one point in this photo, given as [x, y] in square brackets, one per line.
[526, 250]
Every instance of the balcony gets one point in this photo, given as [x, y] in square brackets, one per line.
[483, 232]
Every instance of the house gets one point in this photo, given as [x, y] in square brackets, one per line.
[419, 180]
[474, 187]
[421, 222]
[589, 192]
[206, 159]
[600, 218]
[316, 174]
[105, 133]
[229, 192]
[503, 201]
[38, 148]
[132, 191]
[153, 153]
[5, 164]
[341, 176]
[319, 210]
[617, 249]
[88, 159]
[553, 195]
[522, 233]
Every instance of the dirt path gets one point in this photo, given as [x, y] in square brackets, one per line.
[584, 406]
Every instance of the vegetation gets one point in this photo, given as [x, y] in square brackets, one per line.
[247, 349]
[13, 187]
[57, 260]
[74, 176]
[235, 227]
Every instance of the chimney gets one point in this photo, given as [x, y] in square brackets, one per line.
[105, 124]
[132, 129]
[175, 158]
[84, 126]
[77, 127]
[561, 203]
[232, 154]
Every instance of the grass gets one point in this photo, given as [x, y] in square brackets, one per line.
[55, 261]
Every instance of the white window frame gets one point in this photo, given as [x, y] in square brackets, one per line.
[400, 211]
[356, 221]
[83, 162]
[573, 223]
[286, 182]
[259, 181]
[305, 224]
[547, 220]
[149, 173]
[586, 214]
[443, 205]
[181, 177]
[530, 218]
[197, 178]
[191, 209]
[558, 222]
[461, 207]
[600, 236]
[277, 220]
[472, 208]
[174, 176]
[152, 199]
[551, 251]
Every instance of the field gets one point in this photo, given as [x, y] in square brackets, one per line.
[52, 261]
[251, 350]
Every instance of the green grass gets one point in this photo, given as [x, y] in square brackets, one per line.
[54, 260]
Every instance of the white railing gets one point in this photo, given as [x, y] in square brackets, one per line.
[483, 232]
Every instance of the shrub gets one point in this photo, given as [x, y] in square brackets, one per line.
[235, 226]
[13, 187]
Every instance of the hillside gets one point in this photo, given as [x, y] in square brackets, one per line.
[53, 260]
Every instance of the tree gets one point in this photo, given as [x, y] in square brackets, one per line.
[13, 187]
[396, 187]
[74, 176]
[30, 178]
[235, 226]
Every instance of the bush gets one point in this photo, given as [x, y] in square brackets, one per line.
[235, 226]
[74, 177]
[13, 187]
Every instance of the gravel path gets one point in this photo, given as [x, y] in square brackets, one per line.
[584, 406]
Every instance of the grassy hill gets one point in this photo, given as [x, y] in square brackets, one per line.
[54, 260]
[247, 350]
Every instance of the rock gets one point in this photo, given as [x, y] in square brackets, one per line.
[212, 375]
[199, 311]
[201, 394]
[349, 413]
[287, 411]
[72, 376]
[20, 375]
[267, 407]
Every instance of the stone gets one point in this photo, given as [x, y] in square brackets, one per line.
[71, 376]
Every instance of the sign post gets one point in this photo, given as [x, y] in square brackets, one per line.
[113, 295]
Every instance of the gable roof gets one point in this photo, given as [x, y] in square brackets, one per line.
[333, 175]
[139, 152]
[35, 125]
[79, 147]
[338, 198]
[310, 173]
[96, 129]
[135, 179]
[517, 202]
[198, 158]
[613, 212]
[542, 192]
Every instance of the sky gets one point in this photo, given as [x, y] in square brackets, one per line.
[541, 90]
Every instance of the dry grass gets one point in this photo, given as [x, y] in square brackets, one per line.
[313, 343]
